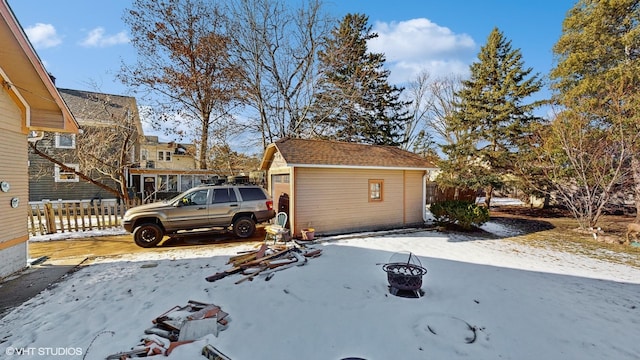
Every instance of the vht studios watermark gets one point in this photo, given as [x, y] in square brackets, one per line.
[43, 351]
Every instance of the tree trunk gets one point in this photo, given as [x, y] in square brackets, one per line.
[487, 196]
[81, 175]
[635, 170]
[204, 142]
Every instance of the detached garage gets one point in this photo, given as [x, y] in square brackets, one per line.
[337, 187]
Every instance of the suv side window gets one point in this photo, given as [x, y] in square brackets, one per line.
[195, 198]
[224, 195]
[252, 193]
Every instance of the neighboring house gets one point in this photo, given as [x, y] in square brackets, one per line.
[165, 169]
[29, 104]
[336, 187]
[94, 112]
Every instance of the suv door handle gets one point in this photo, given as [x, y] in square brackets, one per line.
[202, 208]
[233, 205]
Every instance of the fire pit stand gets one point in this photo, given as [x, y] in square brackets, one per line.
[405, 275]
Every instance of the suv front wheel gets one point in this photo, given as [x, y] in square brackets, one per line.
[244, 227]
[148, 235]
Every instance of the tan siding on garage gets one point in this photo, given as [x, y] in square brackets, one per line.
[413, 205]
[336, 200]
[330, 185]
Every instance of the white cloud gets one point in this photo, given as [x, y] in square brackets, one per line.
[97, 38]
[418, 44]
[43, 35]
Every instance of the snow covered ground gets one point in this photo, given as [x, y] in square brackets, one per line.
[484, 299]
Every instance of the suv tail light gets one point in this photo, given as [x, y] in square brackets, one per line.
[269, 204]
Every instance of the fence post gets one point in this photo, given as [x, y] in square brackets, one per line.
[32, 221]
[60, 218]
[66, 209]
[50, 217]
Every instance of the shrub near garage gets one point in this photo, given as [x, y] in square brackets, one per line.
[464, 214]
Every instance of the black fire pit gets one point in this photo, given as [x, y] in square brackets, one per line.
[404, 274]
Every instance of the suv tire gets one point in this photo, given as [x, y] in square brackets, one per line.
[244, 227]
[148, 235]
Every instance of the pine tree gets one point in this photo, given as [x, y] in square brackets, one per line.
[355, 101]
[598, 71]
[491, 117]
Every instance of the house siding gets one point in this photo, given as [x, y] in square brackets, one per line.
[45, 119]
[42, 184]
[13, 169]
[177, 162]
[337, 200]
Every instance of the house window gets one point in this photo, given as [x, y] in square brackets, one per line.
[164, 155]
[65, 141]
[144, 154]
[172, 183]
[375, 190]
[186, 182]
[167, 183]
[65, 175]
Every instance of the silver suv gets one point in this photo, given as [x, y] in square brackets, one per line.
[204, 207]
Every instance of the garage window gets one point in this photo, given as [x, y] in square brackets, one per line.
[375, 190]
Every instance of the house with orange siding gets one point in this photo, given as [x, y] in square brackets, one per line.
[30, 105]
[338, 187]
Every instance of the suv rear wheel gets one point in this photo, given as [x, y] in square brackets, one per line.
[244, 227]
[148, 235]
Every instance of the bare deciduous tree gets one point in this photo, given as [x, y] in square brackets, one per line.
[278, 44]
[579, 163]
[432, 104]
[185, 63]
[104, 149]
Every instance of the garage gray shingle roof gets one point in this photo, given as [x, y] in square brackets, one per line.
[343, 154]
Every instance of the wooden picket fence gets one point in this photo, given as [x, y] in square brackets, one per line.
[52, 217]
[435, 193]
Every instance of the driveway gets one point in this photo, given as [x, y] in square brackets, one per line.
[56, 259]
[87, 248]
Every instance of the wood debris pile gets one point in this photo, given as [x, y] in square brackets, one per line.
[266, 260]
[177, 326]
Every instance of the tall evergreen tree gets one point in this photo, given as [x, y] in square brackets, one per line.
[355, 101]
[598, 71]
[491, 117]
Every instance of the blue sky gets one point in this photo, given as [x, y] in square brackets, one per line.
[83, 42]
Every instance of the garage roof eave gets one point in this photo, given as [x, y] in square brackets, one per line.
[267, 157]
[364, 167]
